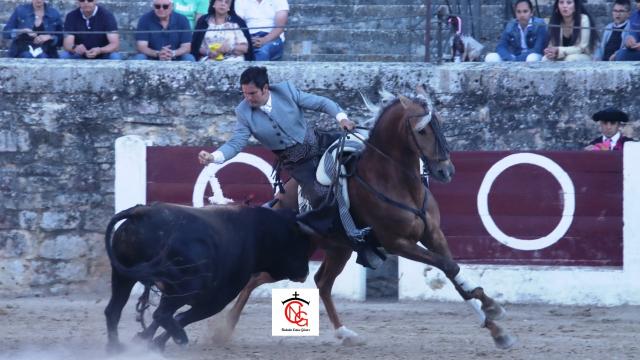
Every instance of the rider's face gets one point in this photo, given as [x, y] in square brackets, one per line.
[255, 96]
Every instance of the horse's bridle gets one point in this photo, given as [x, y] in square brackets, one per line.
[441, 149]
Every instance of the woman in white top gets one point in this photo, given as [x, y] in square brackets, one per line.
[570, 36]
[223, 41]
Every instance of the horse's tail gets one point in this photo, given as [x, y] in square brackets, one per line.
[144, 271]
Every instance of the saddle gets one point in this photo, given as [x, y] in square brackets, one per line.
[327, 168]
[336, 165]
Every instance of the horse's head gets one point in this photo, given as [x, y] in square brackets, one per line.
[426, 135]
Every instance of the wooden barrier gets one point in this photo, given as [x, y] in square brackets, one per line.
[530, 227]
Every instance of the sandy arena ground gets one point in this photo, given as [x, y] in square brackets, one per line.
[68, 328]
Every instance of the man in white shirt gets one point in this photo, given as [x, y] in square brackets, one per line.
[266, 20]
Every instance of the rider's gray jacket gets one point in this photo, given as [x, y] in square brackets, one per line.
[284, 126]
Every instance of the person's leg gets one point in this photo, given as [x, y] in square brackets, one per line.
[274, 49]
[492, 57]
[577, 57]
[140, 56]
[111, 56]
[25, 55]
[67, 55]
[533, 57]
[270, 51]
[185, 57]
[627, 55]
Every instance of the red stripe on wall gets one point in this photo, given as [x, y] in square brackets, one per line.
[525, 202]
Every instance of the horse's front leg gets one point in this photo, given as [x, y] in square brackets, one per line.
[465, 288]
[334, 261]
[434, 240]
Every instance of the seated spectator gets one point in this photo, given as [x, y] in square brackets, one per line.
[103, 40]
[28, 29]
[610, 122]
[570, 35]
[192, 9]
[266, 20]
[164, 43]
[225, 41]
[630, 50]
[612, 36]
[524, 37]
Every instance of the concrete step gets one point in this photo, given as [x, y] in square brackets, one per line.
[333, 41]
[356, 16]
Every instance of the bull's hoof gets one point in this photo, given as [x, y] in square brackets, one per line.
[505, 341]
[494, 311]
[141, 337]
[114, 348]
[158, 344]
[181, 340]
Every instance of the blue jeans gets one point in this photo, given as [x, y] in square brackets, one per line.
[270, 51]
[111, 56]
[183, 57]
[627, 55]
[27, 55]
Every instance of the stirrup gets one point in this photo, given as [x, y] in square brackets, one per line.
[371, 257]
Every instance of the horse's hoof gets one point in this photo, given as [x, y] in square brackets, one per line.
[494, 311]
[222, 335]
[349, 337]
[353, 341]
[505, 341]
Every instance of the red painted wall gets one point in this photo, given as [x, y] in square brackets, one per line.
[525, 202]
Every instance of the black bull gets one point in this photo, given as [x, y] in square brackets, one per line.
[198, 257]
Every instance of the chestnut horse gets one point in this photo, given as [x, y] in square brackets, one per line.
[387, 193]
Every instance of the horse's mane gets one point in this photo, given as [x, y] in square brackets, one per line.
[386, 105]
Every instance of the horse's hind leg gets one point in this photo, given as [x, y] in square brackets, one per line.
[334, 261]
[223, 332]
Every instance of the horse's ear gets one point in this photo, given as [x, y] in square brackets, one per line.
[404, 101]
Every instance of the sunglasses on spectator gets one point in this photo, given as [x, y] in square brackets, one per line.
[166, 6]
[85, 0]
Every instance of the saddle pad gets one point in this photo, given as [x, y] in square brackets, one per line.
[352, 144]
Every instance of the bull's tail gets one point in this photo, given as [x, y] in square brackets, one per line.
[143, 272]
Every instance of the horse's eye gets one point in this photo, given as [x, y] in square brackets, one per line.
[422, 132]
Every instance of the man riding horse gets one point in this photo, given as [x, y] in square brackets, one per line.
[273, 114]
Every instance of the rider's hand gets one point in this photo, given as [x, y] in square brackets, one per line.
[215, 157]
[347, 124]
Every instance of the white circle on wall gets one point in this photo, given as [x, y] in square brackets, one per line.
[567, 189]
[208, 176]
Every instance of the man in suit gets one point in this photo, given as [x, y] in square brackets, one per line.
[610, 122]
[274, 115]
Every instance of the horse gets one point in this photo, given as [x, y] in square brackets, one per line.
[387, 193]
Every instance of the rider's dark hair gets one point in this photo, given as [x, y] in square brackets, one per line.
[256, 75]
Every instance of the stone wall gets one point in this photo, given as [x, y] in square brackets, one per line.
[59, 121]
